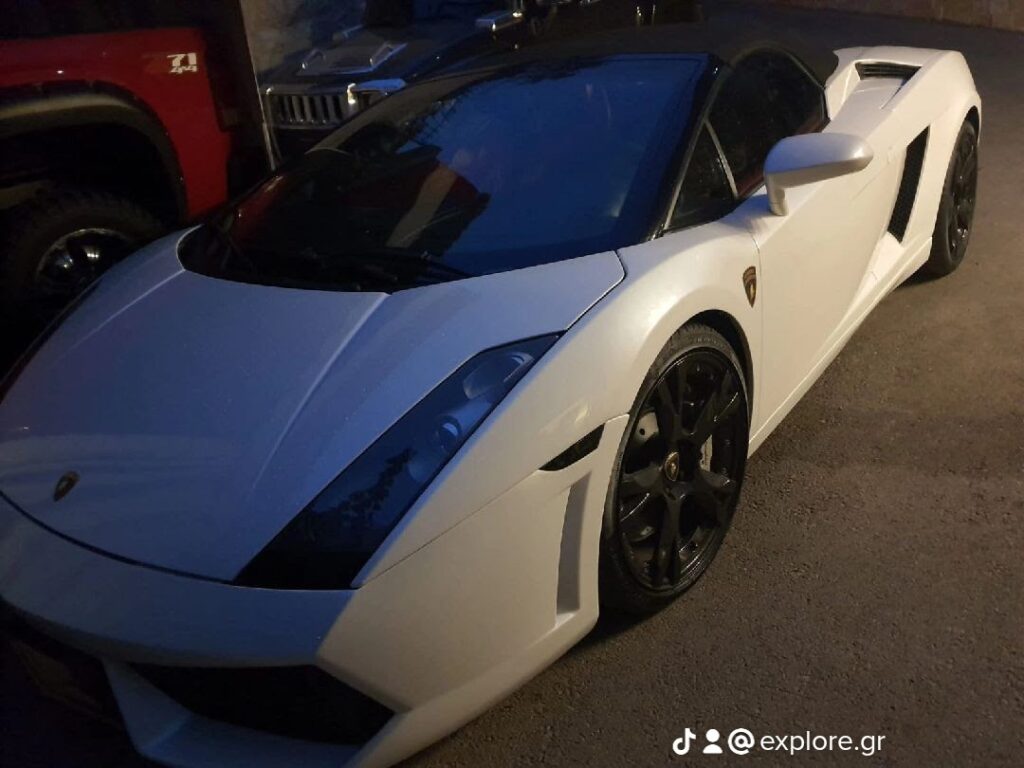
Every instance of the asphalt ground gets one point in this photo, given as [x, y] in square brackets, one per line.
[872, 584]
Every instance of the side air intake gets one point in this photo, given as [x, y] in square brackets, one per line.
[873, 69]
[907, 195]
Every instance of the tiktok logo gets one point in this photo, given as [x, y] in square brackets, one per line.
[682, 746]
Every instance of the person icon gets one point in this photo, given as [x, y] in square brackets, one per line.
[712, 736]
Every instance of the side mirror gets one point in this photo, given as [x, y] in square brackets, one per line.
[811, 157]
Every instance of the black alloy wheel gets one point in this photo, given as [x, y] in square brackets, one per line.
[956, 208]
[679, 474]
[962, 193]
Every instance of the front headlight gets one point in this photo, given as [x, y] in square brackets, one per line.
[330, 540]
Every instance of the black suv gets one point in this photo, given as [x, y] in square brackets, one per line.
[363, 51]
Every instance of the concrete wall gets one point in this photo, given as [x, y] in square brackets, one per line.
[1005, 14]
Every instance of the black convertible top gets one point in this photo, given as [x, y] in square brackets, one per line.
[727, 42]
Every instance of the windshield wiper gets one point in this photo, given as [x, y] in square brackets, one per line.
[221, 247]
[383, 255]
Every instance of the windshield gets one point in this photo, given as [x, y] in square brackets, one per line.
[465, 176]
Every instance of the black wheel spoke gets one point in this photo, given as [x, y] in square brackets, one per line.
[634, 520]
[668, 543]
[720, 405]
[640, 481]
[667, 413]
[968, 156]
[711, 491]
[631, 510]
[715, 483]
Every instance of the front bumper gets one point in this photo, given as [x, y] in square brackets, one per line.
[436, 639]
[127, 614]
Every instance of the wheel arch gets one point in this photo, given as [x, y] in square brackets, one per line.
[126, 145]
[974, 118]
[727, 325]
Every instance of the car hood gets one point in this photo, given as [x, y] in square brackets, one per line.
[201, 415]
[386, 53]
[382, 52]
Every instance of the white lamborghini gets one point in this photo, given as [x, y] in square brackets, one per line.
[322, 479]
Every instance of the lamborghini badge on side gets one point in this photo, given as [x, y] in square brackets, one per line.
[64, 485]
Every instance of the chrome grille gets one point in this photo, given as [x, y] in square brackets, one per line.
[326, 110]
[312, 110]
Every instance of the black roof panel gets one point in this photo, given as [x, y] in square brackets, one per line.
[727, 42]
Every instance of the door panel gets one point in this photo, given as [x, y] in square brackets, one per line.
[814, 260]
[814, 264]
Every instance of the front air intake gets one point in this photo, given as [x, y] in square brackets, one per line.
[295, 702]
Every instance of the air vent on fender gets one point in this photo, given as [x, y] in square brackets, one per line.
[907, 194]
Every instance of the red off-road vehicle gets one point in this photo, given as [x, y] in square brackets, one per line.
[107, 139]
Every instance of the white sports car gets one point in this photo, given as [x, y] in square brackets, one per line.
[324, 478]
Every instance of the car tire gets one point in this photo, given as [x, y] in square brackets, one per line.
[956, 208]
[634, 577]
[98, 229]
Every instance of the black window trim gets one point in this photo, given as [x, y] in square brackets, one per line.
[738, 62]
[721, 154]
[721, 72]
[698, 119]
[727, 207]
